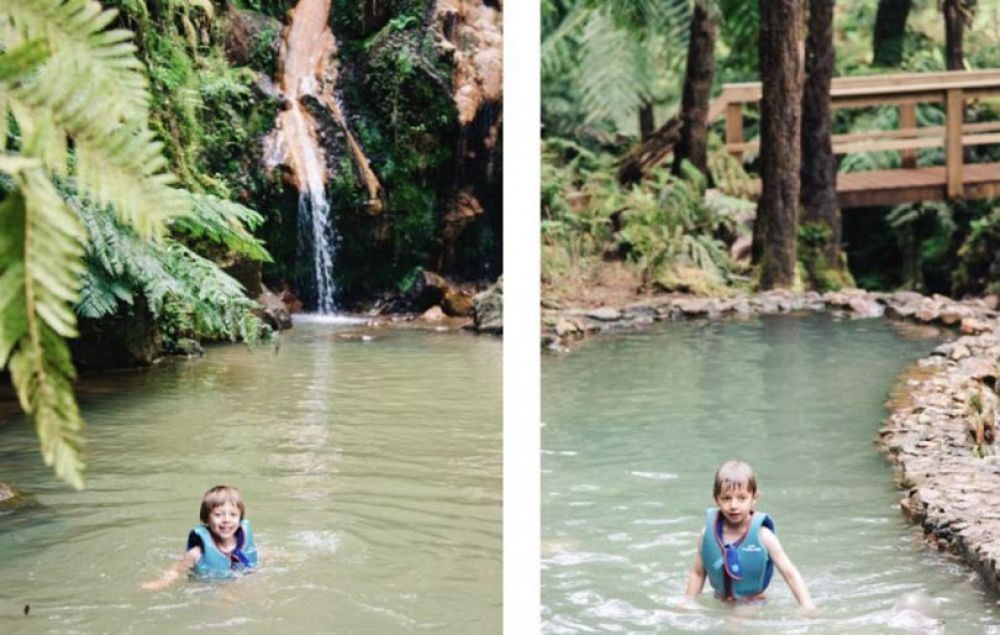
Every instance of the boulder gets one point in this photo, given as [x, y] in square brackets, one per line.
[273, 311]
[429, 289]
[118, 341]
[187, 346]
[487, 313]
[433, 314]
[604, 314]
[246, 34]
[11, 497]
[972, 326]
[457, 303]
[291, 301]
[247, 273]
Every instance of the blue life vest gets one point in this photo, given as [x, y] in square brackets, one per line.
[741, 569]
[215, 564]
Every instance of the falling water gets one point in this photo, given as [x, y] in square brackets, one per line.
[306, 58]
[317, 237]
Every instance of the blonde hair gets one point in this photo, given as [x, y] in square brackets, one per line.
[218, 496]
[734, 475]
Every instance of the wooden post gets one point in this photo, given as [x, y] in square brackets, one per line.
[734, 126]
[953, 142]
[908, 121]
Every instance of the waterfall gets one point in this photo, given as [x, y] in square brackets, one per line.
[306, 59]
[317, 238]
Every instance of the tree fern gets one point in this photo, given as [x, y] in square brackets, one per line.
[87, 92]
[607, 59]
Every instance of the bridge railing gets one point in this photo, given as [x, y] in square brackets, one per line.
[904, 90]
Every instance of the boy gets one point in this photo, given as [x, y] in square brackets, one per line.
[222, 546]
[737, 548]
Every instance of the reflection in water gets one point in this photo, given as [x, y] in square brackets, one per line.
[635, 426]
[371, 472]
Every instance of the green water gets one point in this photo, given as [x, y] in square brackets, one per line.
[371, 471]
[634, 427]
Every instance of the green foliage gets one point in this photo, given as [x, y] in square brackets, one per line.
[670, 235]
[404, 117]
[602, 61]
[87, 90]
[188, 295]
[979, 257]
[662, 228]
[813, 243]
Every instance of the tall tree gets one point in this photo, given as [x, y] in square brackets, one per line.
[819, 168]
[955, 12]
[781, 67]
[693, 143]
[890, 27]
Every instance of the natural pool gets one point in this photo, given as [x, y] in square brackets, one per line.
[371, 471]
[634, 427]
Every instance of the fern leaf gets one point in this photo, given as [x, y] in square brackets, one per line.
[43, 245]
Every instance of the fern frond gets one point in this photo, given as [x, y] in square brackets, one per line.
[226, 223]
[612, 74]
[40, 254]
[101, 63]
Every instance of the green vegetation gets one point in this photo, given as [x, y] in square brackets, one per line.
[595, 80]
[398, 90]
[89, 219]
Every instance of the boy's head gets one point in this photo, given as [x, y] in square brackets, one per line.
[220, 495]
[734, 475]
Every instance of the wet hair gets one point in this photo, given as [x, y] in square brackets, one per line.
[734, 475]
[218, 496]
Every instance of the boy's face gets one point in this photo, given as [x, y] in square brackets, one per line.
[736, 503]
[224, 520]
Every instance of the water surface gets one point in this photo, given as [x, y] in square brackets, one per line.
[371, 471]
[634, 427]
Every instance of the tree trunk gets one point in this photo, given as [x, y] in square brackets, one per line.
[954, 27]
[890, 26]
[646, 122]
[780, 124]
[819, 167]
[693, 144]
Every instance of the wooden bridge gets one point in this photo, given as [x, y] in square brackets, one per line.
[909, 183]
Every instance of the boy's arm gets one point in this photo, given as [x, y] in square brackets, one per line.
[788, 571]
[696, 578]
[181, 566]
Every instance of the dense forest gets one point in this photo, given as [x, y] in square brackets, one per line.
[640, 195]
[143, 211]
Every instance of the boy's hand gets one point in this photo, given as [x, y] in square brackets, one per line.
[155, 585]
[809, 610]
[162, 583]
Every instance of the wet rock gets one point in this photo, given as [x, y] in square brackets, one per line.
[958, 352]
[433, 314]
[187, 346]
[248, 273]
[604, 314]
[120, 341]
[248, 34]
[694, 306]
[566, 327]
[457, 303]
[11, 497]
[973, 326]
[273, 311]
[865, 307]
[487, 311]
[292, 304]
[428, 290]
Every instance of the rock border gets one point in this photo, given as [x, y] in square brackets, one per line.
[939, 435]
